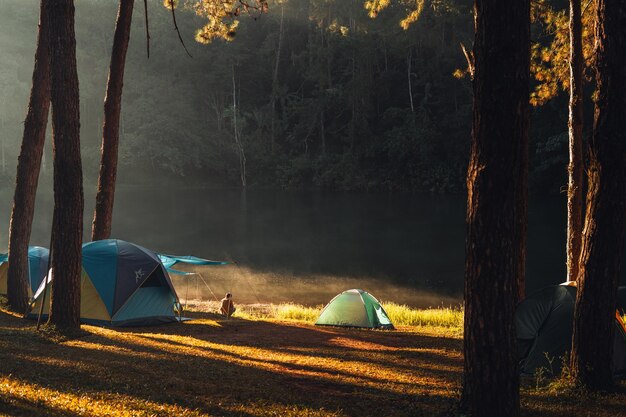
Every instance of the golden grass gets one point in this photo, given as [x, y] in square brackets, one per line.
[285, 311]
[215, 367]
[400, 315]
[435, 317]
[279, 366]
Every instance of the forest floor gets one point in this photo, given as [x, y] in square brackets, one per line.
[249, 367]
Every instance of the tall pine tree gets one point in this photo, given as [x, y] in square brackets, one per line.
[496, 206]
[28, 166]
[103, 214]
[605, 218]
[67, 227]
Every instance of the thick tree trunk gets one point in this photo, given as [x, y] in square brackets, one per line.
[575, 168]
[103, 214]
[27, 176]
[603, 235]
[67, 226]
[496, 210]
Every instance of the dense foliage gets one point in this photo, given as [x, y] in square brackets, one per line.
[349, 102]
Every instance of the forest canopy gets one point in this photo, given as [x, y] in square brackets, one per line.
[349, 102]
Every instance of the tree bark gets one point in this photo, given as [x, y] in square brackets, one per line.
[603, 234]
[408, 77]
[103, 214]
[237, 136]
[575, 168]
[27, 176]
[496, 210]
[67, 227]
[275, 80]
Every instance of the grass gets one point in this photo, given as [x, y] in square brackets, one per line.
[403, 315]
[273, 363]
[400, 315]
[285, 311]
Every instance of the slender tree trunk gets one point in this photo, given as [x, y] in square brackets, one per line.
[408, 76]
[496, 210]
[603, 235]
[353, 100]
[4, 160]
[322, 133]
[275, 79]
[27, 177]
[237, 135]
[103, 214]
[67, 226]
[329, 52]
[575, 168]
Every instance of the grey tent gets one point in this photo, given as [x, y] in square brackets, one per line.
[544, 324]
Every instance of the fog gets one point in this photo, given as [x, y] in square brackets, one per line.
[177, 182]
[306, 246]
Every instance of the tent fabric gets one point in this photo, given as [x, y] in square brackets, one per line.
[354, 308]
[4, 269]
[37, 267]
[122, 284]
[100, 263]
[169, 261]
[544, 326]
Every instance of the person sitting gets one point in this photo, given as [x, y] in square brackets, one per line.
[228, 308]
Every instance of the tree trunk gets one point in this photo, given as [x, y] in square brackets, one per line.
[603, 235]
[103, 214]
[27, 176]
[575, 168]
[322, 133]
[496, 211]
[67, 227]
[237, 136]
[275, 79]
[4, 160]
[409, 57]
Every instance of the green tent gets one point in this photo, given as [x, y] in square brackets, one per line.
[354, 308]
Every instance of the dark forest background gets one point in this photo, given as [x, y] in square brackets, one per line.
[346, 116]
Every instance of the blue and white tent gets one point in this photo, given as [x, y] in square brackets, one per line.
[122, 284]
[37, 267]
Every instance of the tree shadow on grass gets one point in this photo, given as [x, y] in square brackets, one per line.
[17, 407]
[571, 402]
[447, 368]
[125, 362]
[150, 379]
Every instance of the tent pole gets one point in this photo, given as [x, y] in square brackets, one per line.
[247, 278]
[207, 285]
[45, 278]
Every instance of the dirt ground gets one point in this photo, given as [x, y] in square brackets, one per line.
[210, 366]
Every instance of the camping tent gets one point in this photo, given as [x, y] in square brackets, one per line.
[37, 267]
[354, 308]
[122, 284]
[544, 323]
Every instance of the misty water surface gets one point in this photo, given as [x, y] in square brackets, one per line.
[305, 246]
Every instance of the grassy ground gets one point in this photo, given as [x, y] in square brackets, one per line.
[445, 319]
[250, 366]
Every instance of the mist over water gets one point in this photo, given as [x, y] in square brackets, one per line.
[306, 246]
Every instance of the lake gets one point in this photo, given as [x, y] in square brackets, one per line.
[306, 246]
